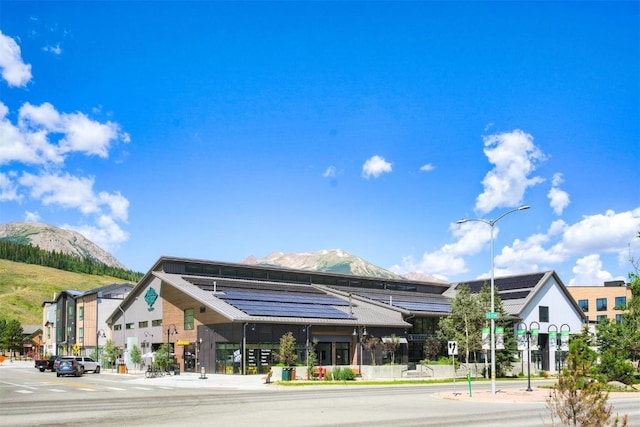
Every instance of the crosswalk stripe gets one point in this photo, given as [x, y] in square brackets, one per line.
[115, 388]
[56, 390]
[87, 389]
[24, 391]
[143, 388]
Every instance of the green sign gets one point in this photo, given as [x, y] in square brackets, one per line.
[491, 315]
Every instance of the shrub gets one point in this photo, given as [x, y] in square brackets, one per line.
[615, 369]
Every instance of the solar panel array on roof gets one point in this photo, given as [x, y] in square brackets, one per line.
[528, 281]
[514, 295]
[284, 304]
[283, 297]
[440, 305]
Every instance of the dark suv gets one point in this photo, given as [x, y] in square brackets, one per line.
[68, 366]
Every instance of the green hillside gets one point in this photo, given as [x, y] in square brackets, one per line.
[24, 287]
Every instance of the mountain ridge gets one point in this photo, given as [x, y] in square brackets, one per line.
[51, 238]
[333, 261]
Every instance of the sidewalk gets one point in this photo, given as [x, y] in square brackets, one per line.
[195, 380]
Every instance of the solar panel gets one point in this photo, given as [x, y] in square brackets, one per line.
[514, 295]
[283, 297]
[418, 306]
[508, 283]
[272, 308]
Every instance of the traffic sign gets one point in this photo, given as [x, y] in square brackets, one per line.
[453, 348]
[491, 315]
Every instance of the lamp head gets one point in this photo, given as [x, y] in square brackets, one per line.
[524, 208]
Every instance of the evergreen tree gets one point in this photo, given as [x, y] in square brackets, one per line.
[12, 336]
[504, 357]
[110, 353]
[578, 400]
[136, 355]
[287, 353]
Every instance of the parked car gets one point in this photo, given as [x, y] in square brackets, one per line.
[88, 364]
[68, 366]
[56, 363]
[46, 364]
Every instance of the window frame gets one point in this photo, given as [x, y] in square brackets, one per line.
[543, 313]
[584, 305]
[189, 319]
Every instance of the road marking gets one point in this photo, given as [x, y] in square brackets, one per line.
[115, 388]
[143, 388]
[87, 389]
[17, 385]
[57, 390]
[165, 388]
[24, 391]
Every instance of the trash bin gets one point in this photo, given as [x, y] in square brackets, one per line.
[122, 369]
[176, 369]
[286, 374]
[292, 375]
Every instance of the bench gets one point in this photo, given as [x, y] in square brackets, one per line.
[267, 378]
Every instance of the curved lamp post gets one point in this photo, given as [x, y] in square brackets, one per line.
[170, 332]
[492, 223]
[531, 333]
[100, 334]
[360, 332]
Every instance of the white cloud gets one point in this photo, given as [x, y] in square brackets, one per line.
[107, 234]
[559, 199]
[596, 234]
[79, 133]
[14, 71]
[427, 168]
[31, 216]
[330, 172]
[56, 50]
[30, 141]
[72, 192]
[515, 158]
[588, 272]
[375, 166]
[8, 189]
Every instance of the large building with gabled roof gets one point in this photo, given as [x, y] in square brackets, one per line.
[230, 317]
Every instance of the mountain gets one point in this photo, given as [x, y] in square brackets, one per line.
[50, 238]
[332, 261]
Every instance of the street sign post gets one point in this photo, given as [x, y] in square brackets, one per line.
[453, 352]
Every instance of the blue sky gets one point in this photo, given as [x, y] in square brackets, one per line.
[221, 130]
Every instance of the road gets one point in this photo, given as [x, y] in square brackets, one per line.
[30, 398]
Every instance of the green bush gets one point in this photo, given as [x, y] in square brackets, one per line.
[340, 374]
[615, 369]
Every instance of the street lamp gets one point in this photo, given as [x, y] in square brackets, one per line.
[360, 332]
[99, 334]
[491, 224]
[531, 333]
[170, 332]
